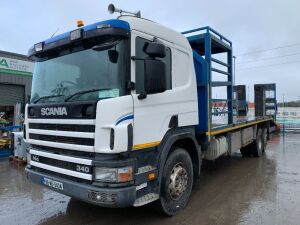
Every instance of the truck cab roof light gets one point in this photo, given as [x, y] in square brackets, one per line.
[80, 23]
[76, 34]
[39, 47]
[100, 26]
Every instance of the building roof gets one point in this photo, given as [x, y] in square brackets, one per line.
[14, 55]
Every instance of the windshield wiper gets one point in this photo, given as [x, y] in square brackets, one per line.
[84, 92]
[48, 96]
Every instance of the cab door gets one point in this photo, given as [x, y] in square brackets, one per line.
[152, 114]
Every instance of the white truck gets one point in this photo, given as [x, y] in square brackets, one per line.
[121, 112]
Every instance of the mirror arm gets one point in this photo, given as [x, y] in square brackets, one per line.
[143, 95]
[137, 58]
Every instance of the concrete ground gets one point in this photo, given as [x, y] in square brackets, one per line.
[233, 191]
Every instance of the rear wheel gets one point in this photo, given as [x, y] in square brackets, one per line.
[246, 151]
[176, 183]
[265, 138]
[258, 144]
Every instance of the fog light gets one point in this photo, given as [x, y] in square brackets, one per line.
[102, 197]
[98, 197]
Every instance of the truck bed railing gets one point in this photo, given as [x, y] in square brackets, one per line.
[207, 43]
[208, 29]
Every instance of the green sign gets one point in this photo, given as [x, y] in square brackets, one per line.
[15, 66]
[4, 63]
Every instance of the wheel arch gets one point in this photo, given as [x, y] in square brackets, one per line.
[183, 138]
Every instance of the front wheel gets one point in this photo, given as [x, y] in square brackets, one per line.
[176, 183]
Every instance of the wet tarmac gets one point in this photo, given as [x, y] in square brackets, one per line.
[232, 191]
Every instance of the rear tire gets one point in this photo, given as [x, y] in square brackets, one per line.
[258, 145]
[176, 182]
[265, 139]
[246, 151]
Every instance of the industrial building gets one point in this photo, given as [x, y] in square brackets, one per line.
[15, 85]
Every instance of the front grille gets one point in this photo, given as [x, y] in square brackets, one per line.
[61, 139]
[66, 152]
[50, 135]
[62, 164]
[62, 127]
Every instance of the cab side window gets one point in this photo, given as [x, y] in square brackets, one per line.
[139, 76]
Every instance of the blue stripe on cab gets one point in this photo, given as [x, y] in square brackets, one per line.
[128, 117]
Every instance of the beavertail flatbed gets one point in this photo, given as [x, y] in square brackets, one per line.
[122, 112]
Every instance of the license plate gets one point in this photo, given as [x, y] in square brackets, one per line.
[52, 183]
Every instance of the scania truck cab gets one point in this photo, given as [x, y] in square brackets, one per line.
[119, 115]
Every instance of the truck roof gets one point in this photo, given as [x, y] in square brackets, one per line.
[157, 30]
[133, 23]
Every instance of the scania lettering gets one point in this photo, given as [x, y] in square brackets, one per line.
[122, 112]
[54, 111]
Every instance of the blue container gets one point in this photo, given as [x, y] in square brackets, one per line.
[5, 153]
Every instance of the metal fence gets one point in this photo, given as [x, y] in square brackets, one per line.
[289, 118]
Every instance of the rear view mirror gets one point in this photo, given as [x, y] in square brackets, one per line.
[155, 49]
[155, 76]
[113, 56]
[154, 69]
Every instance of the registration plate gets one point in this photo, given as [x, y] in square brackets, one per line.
[52, 183]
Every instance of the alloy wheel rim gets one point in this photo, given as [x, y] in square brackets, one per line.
[178, 181]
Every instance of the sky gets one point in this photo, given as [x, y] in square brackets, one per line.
[265, 34]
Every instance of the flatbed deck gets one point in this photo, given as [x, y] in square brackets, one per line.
[239, 122]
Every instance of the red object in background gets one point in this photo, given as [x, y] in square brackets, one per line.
[277, 126]
[251, 105]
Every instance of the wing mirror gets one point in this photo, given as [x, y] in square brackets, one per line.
[113, 56]
[154, 69]
[155, 49]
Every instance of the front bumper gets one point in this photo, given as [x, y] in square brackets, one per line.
[109, 197]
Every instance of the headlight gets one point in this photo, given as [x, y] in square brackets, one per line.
[123, 174]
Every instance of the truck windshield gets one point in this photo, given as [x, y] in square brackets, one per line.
[90, 74]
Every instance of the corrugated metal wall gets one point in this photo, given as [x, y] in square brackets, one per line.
[12, 94]
[24, 81]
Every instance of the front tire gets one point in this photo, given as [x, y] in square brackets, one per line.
[176, 182]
